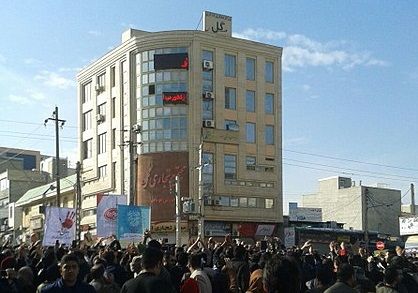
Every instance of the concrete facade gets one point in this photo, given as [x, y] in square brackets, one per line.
[124, 80]
[344, 202]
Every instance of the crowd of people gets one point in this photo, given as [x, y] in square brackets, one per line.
[203, 267]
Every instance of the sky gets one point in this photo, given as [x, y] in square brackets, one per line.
[350, 77]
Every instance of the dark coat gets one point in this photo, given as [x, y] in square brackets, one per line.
[59, 287]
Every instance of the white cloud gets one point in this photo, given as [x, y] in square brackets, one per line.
[36, 95]
[54, 80]
[301, 51]
[32, 61]
[20, 100]
[95, 33]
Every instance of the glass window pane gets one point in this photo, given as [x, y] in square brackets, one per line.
[250, 101]
[269, 134]
[269, 103]
[250, 68]
[268, 74]
[250, 132]
[230, 98]
[230, 64]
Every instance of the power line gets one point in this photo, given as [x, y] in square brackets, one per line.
[31, 123]
[350, 169]
[349, 160]
[31, 134]
[39, 138]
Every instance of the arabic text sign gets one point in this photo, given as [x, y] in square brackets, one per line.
[217, 23]
[59, 225]
[265, 230]
[408, 225]
[132, 222]
[305, 214]
[289, 237]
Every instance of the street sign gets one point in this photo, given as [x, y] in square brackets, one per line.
[380, 245]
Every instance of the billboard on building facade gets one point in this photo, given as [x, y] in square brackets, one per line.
[59, 226]
[155, 186]
[304, 214]
[408, 225]
[107, 213]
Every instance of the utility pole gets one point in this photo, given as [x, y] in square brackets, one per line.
[412, 199]
[55, 118]
[78, 201]
[132, 144]
[201, 223]
[365, 217]
[178, 212]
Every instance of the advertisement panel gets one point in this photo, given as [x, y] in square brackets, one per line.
[132, 222]
[59, 226]
[217, 229]
[156, 174]
[289, 237]
[265, 230]
[305, 214]
[107, 213]
[217, 23]
[408, 225]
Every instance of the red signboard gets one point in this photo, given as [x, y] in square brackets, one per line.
[380, 245]
[174, 98]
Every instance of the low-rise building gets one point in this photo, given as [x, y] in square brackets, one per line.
[357, 206]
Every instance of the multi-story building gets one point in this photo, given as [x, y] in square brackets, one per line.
[357, 206]
[202, 105]
[30, 159]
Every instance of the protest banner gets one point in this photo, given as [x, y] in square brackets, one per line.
[107, 213]
[59, 225]
[132, 221]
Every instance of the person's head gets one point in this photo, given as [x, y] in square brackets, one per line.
[97, 271]
[391, 276]
[155, 244]
[182, 259]
[195, 262]
[25, 274]
[399, 251]
[281, 274]
[239, 252]
[152, 260]
[69, 268]
[345, 274]
[33, 237]
[324, 275]
[135, 264]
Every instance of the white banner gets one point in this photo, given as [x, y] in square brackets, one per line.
[265, 230]
[408, 225]
[305, 214]
[59, 225]
[289, 237]
[107, 213]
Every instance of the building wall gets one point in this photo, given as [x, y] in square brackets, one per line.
[124, 59]
[347, 205]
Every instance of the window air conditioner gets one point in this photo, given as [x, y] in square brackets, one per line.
[208, 95]
[209, 123]
[137, 128]
[100, 118]
[207, 65]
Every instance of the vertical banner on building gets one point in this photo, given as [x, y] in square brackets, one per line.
[59, 225]
[107, 213]
[289, 237]
[132, 222]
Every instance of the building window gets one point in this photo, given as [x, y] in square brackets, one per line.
[113, 107]
[252, 202]
[230, 65]
[269, 203]
[224, 201]
[250, 68]
[250, 101]
[10, 212]
[250, 132]
[269, 104]
[103, 171]
[230, 166]
[234, 201]
[207, 75]
[86, 95]
[250, 162]
[269, 134]
[101, 81]
[231, 125]
[230, 98]
[113, 138]
[87, 149]
[87, 120]
[101, 110]
[4, 184]
[268, 72]
[102, 143]
[112, 76]
[243, 202]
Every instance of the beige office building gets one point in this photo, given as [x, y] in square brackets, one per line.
[171, 93]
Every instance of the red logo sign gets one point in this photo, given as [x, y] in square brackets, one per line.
[380, 245]
[111, 214]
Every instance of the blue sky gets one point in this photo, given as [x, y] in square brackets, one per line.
[350, 76]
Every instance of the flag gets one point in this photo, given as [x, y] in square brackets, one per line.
[107, 213]
[59, 225]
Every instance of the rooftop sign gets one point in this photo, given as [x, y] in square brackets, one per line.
[217, 23]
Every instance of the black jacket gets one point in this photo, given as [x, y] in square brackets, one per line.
[147, 283]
